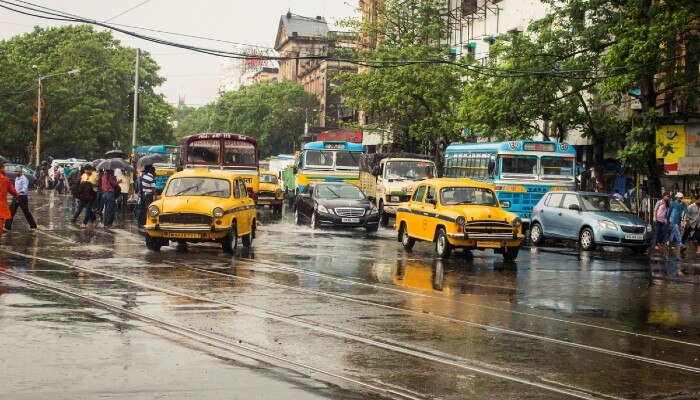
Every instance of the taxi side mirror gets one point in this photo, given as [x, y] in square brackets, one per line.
[431, 200]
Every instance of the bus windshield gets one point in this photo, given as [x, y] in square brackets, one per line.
[467, 195]
[347, 159]
[411, 170]
[318, 159]
[203, 151]
[556, 166]
[239, 152]
[519, 164]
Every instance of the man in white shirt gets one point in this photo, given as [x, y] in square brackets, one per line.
[22, 188]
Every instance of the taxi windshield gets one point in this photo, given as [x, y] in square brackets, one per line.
[467, 195]
[211, 187]
[604, 203]
[339, 192]
[266, 178]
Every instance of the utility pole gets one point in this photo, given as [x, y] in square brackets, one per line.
[136, 105]
[38, 121]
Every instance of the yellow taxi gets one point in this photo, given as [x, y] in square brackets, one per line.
[202, 205]
[270, 193]
[458, 213]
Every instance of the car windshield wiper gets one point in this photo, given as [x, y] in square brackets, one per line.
[336, 194]
[187, 190]
[211, 192]
[464, 202]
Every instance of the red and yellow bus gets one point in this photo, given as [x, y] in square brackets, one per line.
[227, 151]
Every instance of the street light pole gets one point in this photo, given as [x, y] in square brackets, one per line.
[39, 106]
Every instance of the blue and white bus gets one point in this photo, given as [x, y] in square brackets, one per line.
[329, 161]
[521, 171]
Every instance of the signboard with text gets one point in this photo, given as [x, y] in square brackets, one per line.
[689, 165]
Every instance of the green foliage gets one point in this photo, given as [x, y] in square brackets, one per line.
[416, 102]
[273, 113]
[84, 113]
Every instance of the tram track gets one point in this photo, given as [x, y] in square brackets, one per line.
[425, 354]
[255, 265]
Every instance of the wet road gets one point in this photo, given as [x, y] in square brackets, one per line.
[338, 314]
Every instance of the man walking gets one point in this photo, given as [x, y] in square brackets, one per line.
[660, 219]
[109, 186]
[147, 185]
[676, 211]
[22, 201]
[693, 222]
[6, 187]
[87, 193]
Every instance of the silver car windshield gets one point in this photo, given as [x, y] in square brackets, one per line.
[603, 203]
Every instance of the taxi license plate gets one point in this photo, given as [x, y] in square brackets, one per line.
[178, 235]
[634, 237]
[489, 244]
[351, 220]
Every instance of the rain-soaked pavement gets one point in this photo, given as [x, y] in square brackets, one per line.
[337, 314]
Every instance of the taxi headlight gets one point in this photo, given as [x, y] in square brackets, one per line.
[460, 220]
[607, 224]
[218, 212]
[278, 191]
[516, 222]
[153, 211]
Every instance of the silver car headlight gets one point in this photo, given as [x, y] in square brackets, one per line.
[460, 220]
[373, 210]
[153, 211]
[218, 212]
[323, 209]
[607, 224]
[516, 222]
[649, 228]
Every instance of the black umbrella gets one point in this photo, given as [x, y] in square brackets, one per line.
[97, 162]
[4, 160]
[114, 163]
[151, 159]
[116, 154]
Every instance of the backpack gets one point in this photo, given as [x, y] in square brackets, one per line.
[86, 192]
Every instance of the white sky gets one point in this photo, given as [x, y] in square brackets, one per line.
[196, 76]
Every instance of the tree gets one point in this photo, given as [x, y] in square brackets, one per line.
[273, 113]
[415, 101]
[84, 113]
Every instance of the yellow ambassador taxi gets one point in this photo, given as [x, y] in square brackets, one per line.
[270, 193]
[458, 213]
[202, 205]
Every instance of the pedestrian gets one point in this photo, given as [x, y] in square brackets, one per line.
[692, 226]
[125, 183]
[618, 196]
[6, 187]
[147, 188]
[660, 217]
[677, 209]
[42, 176]
[58, 178]
[22, 201]
[87, 195]
[109, 189]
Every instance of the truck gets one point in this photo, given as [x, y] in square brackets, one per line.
[390, 178]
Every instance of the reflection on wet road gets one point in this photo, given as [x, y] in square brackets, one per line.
[355, 312]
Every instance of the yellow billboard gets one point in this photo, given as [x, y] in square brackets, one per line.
[673, 135]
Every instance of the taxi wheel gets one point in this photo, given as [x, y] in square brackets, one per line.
[442, 245]
[586, 240]
[247, 240]
[510, 253]
[230, 242]
[536, 234]
[152, 243]
[383, 216]
[297, 217]
[406, 240]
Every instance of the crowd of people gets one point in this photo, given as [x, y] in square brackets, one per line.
[678, 221]
[95, 195]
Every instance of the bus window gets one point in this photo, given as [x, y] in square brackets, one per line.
[516, 164]
[238, 152]
[203, 151]
[347, 159]
[557, 166]
[318, 158]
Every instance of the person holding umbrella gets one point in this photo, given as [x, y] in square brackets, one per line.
[147, 185]
[110, 187]
[6, 187]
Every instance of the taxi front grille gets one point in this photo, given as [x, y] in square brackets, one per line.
[266, 194]
[185, 219]
[486, 227]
